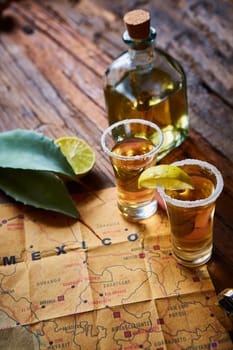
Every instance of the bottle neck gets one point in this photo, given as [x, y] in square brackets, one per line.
[141, 52]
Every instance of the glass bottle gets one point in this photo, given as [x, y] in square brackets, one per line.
[146, 82]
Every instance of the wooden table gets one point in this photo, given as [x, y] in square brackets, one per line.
[54, 54]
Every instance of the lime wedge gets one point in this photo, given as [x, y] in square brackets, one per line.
[167, 176]
[78, 153]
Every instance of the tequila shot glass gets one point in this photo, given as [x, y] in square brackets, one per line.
[132, 146]
[191, 212]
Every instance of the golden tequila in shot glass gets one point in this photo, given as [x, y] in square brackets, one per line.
[132, 146]
[191, 212]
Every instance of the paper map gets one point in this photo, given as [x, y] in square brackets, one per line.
[105, 284]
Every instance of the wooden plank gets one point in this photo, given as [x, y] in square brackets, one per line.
[64, 79]
[25, 100]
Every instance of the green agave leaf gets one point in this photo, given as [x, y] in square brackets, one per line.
[37, 188]
[27, 149]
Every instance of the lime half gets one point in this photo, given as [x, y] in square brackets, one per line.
[78, 153]
[167, 176]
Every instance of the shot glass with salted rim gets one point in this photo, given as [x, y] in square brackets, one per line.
[191, 212]
[132, 146]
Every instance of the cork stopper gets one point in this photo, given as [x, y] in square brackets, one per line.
[138, 24]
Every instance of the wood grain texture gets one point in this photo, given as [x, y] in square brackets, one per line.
[53, 56]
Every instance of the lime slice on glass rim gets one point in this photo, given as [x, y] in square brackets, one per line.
[167, 176]
[78, 153]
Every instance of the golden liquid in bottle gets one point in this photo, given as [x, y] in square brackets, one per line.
[154, 96]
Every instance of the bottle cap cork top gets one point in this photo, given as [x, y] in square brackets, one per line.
[138, 24]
